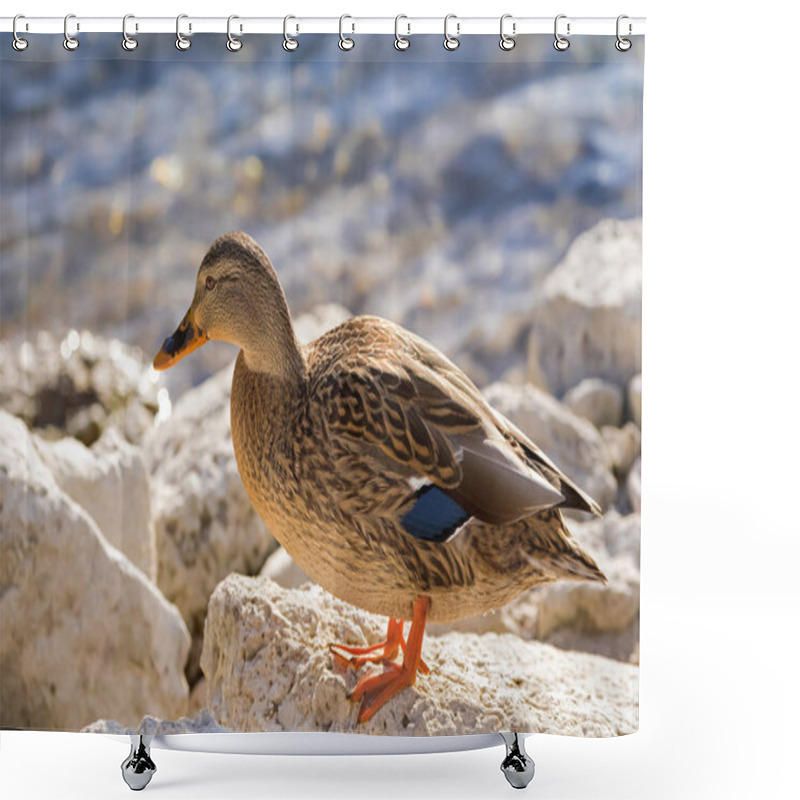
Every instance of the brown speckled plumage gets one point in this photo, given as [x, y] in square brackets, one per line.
[333, 441]
[327, 464]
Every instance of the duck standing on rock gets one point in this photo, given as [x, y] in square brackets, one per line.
[379, 466]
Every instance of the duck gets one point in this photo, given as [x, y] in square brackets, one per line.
[379, 467]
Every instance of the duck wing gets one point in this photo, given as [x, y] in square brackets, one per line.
[389, 391]
[435, 361]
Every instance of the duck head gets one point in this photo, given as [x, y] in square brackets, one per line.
[237, 299]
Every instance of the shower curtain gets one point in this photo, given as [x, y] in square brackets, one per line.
[154, 571]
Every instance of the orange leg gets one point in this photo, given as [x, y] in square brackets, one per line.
[423, 667]
[383, 651]
[376, 690]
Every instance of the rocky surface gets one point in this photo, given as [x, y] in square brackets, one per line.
[204, 522]
[85, 633]
[624, 444]
[588, 317]
[198, 697]
[441, 205]
[282, 568]
[201, 722]
[110, 482]
[267, 665]
[320, 319]
[78, 385]
[635, 399]
[634, 486]
[572, 442]
[177, 510]
[443, 210]
[599, 401]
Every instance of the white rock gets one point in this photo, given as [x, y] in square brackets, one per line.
[110, 482]
[497, 621]
[78, 386]
[198, 699]
[268, 668]
[281, 568]
[588, 322]
[635, 399]
[85, 634]
[533, 370]
[599, 401]
[572, 442]
[201, 722]
[625, 446]
[205, 525]
[634, 485]
[320, 319]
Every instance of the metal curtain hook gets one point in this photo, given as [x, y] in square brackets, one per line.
[507, 42]
[233, 44]
[345, 42]
[289, 43]
[400, 42]
[128, 42]
[621, 44]
[451, 42]
[70, 42]
[561, 43]
[19, 44]
[181, 42]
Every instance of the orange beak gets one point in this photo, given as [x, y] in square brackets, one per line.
[186, 338]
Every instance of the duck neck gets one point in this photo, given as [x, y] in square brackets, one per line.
[272, 349]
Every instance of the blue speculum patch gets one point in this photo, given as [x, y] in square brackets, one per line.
[434, 516]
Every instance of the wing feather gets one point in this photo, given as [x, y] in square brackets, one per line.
[388, 389]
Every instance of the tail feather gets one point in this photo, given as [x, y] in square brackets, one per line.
[551, 548]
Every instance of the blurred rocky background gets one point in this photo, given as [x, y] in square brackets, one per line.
[494, 210]
[437, 189]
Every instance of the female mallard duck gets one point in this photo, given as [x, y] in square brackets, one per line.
[379, 466]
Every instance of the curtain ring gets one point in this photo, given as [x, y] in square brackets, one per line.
[451, 42]
[561, 43]
[70, 42]
[290, 44]
[128, 42]
[507, 42]
[400, 42]
[623, 45]
[19, 44]
[345, 42]
[233, 44]
[181, 42]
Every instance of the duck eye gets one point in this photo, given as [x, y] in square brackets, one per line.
[210, 282]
